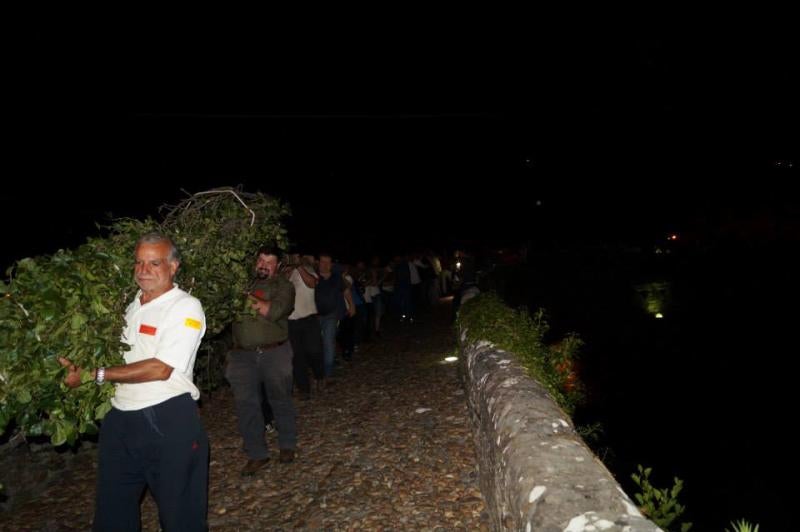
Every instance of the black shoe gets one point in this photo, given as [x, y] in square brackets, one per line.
[253, 466]
[287, 456]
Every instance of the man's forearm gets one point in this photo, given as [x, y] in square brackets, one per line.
[309, 280]
[148, 370]
[348, 296]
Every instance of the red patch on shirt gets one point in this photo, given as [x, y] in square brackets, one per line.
[259, 294]
[147, 329]
[195, 446]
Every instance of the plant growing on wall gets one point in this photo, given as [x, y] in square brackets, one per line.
[743, 526]
[486, 317]
[72, 303]
[659, 505]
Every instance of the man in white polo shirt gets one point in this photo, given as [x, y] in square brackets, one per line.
[153, 436]
[305, 334]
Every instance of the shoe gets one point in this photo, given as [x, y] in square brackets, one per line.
[269, 428]
[253, 466]
[287, 456]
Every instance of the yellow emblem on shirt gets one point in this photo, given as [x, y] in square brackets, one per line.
[194, 324]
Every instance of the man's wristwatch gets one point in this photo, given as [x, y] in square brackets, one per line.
[100, 376]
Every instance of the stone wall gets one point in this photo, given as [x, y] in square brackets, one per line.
[536, 473]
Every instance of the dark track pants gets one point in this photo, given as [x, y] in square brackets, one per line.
[163, 447]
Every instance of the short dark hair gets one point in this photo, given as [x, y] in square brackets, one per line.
[268, 250]
[326, 254]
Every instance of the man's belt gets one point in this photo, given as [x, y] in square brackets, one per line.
[264, 347]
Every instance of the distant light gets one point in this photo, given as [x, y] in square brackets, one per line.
[658, 251]
[659, 315]
[672, 237]
[538, 203]
[450, 359]
[458, 265]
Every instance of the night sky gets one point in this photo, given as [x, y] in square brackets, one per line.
[385, 143]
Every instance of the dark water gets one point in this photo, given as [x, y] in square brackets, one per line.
[705, 393]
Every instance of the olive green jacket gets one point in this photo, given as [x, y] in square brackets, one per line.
[252, 332]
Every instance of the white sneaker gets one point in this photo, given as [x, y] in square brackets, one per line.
[270, 428]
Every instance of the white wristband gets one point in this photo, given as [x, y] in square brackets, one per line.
[100, 375]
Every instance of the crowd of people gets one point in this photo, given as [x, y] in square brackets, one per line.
[307, 317]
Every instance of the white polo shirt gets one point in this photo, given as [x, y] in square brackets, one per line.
[304, 304]
[168, 328]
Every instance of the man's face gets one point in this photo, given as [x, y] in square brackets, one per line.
[266, 266]
[153, 270]
[325, 264]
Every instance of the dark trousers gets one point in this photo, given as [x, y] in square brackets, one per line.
[305, 336]
[163, 447]
[266, 410]
[246, 372]
[347, 336]
[402, 297]
[365, 317]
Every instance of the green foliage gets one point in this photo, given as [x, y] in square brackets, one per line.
[590, 433]
[486, 317]
[743, 526]
[209, 367]
[659, 505]
[72, 304]
[219, 244]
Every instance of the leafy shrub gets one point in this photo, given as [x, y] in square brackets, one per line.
[72, 304]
